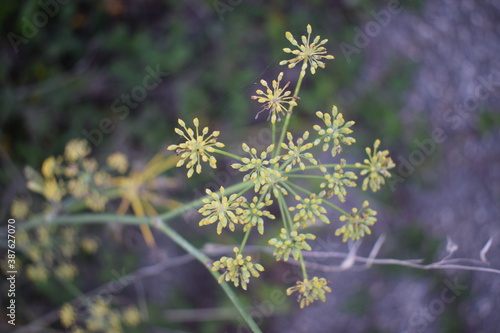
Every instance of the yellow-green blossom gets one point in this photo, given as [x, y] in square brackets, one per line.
[238, 270]
[89, 245]
[71, 170]
[358, 223]
[49, 167]
[336, 182]
[90, 165]
[251, 213]
[53, 190]
[297, 152]
[197, 147]
[78, 187]
[118, 162]
[76, 149]
[309, 209]
[131, 316]
[336, 131]
[67, 315]
[19, 208]
[290, 243]
[66, 271]
[37, 273]
[309, 53]
[220, 208]
[274, 99]
[310, 291]
[377, 167]
[261, 167]
[96, 201]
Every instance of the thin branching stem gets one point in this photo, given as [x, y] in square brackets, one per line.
[287, 119]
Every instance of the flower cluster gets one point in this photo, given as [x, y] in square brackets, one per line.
[358, 223]
[251, 213]
[263, 171]
[377, 167]
[220, 208]
[290, 243]
[101, 317]
[297, 152]
[235, 209]
[280, 170]
[51, 250]
[238, 270]
[309, 209]
[73, 173]
[336, 131]
[336, 182]
[309, 53]
[197, 148]
[310, 290]
[274, 99]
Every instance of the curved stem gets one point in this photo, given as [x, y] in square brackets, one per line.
[204, 259]
[159, 223]
[43, 220]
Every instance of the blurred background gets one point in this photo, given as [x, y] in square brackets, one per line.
[422, 76]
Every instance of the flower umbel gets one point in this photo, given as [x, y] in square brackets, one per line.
[238, 269]
[297, 152]
[336, 131]
[252, 213]
[336, 182]
[309, 53]
[377, 167]
[310, 290]
[274, 99]
[197, 147]
[290, 243]
[118, 162]
[309, 209]
[259, 165]
[220, 208]
[358, 223]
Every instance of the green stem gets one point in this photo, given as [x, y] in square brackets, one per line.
[305, 176]
[303, 266]
[282, 211]
[222, 152]
[43, 220]
[287, 119]
[273, 126]
[204, 259]
[285, 213]
[330, 166]
[289, 188]
[244, 241]
[158, 222]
